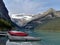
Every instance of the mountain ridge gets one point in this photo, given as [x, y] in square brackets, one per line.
[53, 25]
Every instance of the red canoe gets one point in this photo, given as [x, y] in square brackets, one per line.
[17, 33]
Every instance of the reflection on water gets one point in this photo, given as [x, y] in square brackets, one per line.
[31, 33]
[21, 43]
[48, 38]
[26, 43]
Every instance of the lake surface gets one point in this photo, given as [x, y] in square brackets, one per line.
[48, 38]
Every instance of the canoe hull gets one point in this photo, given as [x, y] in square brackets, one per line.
[25, 38]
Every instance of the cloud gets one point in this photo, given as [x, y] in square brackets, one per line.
[27, 6]
[16, 0]
[23, 6]
[31, 6]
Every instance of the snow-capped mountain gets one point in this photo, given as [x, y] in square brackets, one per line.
[26, 21]
[20, 19]
[23, 19]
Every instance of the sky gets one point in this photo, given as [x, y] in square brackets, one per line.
[31, 6]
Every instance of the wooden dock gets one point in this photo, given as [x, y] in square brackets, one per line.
[3, 34]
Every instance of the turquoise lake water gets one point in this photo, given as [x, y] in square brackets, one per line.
[48, 38]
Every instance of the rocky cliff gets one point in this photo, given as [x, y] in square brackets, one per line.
[3, 11]
[40, 20]
[4, 17]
